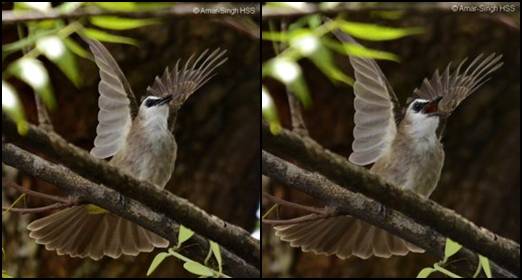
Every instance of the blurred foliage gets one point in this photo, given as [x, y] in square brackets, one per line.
[52, 39]
[306, 38]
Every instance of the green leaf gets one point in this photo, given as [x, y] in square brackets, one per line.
[275, 36]
[120, 23]
[217, 253]
[118, 6]
[359, 50]
[108, 37]
[322, 58]
[300, 90]
[450, 249]
[54, 49]
[77, 48]
[28, 41]
[425, 272]
[269, 111]
[184, 234]
[156, 262]
[288, 72]
[12, 107]
[484, 262]
[305, 41]
[32, 72]
[198, 269]
[375, 32]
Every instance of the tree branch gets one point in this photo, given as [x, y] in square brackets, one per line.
[113, 201]
[310, 155]
[54, 147]
[357, 205]
[178, 10]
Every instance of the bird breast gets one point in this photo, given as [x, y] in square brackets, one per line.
[148, 154]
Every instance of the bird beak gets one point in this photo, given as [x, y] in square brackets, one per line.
[432, 108]
[164, 100]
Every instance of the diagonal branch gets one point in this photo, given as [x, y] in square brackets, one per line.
[357, 205]
[113, 201]
[310, 155]
[54, 147]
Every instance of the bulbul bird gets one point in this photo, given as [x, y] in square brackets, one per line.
[402, 144]
[140, 142]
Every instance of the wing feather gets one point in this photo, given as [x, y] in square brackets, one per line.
[374, 117]
[114, 116]
[185, 79]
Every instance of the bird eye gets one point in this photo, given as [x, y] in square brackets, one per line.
[149, 102]
[417, 106]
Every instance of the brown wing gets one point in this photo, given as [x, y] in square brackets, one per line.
[182, 82]
[374, 103]
[455, 86]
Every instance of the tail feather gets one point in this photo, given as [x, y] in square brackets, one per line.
[344, 236]
[78, 233]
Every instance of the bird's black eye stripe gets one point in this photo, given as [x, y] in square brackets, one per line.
[150, 102]
[417, 106]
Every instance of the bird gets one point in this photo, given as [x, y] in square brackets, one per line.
[403, 144]
[140, 142]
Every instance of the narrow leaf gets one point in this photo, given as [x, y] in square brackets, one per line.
[118, 6]
[198, 269]
[77, 48]
[108, 37]
[12, 107]
[184, 234]
[217, 253]
[32, 72]
[376, 32]
[484, 262]
[54, 49]
[425, 272]
[269, 111]
[451, 249]
[120, 23]
[158, 259]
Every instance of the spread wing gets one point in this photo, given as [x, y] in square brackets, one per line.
[455, 86]
[374, 103]
[114, 117]
[182, 82]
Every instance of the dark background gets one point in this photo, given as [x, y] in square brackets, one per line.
[480, 179]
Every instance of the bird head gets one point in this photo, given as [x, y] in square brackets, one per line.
[155, 108]
[423, 116]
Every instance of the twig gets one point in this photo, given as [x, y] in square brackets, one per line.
[60, 204]
[111, 200]
[38, 194]
[55, 147]
[297, 120]
[359, 206]
[178, 10]
[308, 154]
[283, 202]
[53, 206]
